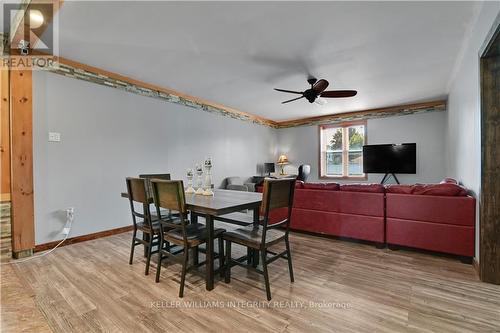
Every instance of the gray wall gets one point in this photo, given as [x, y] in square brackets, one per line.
[301, 144]
[464, 116]
[108, 135]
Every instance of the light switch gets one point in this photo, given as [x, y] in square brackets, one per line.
[54, 137]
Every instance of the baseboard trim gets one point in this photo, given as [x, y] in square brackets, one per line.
[83, 238]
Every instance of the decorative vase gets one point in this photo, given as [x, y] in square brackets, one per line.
[199, 180]
[189, 176]
[208, 177]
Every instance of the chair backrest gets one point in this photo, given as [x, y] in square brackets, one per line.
[149, 176]
[278, 193]
[304, 172]
[169, 194]
[137, 193]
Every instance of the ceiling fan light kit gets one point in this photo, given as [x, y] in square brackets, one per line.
[317, 90]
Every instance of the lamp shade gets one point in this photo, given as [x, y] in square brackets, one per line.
[283, 159]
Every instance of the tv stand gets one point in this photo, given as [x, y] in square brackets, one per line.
[387, 176]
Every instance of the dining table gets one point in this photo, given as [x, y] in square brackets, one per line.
[215, 207]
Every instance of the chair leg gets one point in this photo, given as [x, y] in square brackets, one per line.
[133, 247]
[221, 257]
[148, 254]
[227, 270]
[196, 258]
[266, 275]
[289, 256]
[146, 237]
[255, 259]
[183, 273]
[160, 257]
[249, 255]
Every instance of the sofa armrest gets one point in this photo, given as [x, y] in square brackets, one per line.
[250, 187]
[237, 187]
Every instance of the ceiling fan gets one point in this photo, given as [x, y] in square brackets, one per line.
[318, 90]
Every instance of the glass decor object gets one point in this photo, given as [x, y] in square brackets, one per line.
[208, 177]
[189, 176]
[199, 180]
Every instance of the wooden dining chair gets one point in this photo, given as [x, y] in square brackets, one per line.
[150, 227]
[149, 187]
[177, 230]
[278, 193]
[149, 176]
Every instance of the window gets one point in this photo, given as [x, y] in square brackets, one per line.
[341, 150]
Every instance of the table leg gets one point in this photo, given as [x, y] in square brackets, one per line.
[145, 237]
[256, 217]
[209, 220]
[194, 218]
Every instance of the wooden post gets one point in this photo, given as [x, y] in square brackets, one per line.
[23, 229]
[489, 244]
[5, 134]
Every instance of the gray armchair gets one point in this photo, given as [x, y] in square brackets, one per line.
[238, 184]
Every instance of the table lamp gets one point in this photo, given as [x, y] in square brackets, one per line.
[282, 161]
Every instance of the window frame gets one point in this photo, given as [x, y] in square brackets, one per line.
[345, 152]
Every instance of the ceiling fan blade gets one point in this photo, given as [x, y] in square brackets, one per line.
[320, 86]
[288, 91]
[339, 93]
[291, 100]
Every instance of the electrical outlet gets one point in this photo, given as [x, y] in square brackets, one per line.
[54, 137]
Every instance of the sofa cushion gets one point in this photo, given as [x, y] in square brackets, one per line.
[401, 189]
[361, 203]
[446, 189]
[428, 208]
[369, 228]
[455, 239]
[370, 188]
[322, 200]
[448, 180]
[321, 186]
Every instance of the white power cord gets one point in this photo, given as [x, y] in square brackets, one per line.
[70, 216]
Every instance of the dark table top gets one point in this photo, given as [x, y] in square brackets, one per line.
[222, 202]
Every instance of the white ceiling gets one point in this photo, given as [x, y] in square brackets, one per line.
[235, 53]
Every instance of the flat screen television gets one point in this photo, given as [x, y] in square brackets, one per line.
[390, 158]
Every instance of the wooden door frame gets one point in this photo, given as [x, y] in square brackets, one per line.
[489, 220]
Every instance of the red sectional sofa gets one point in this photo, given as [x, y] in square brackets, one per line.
[354, 211]
[431, 217]
[436, 217]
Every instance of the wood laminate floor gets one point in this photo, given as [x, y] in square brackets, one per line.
[340, 286]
